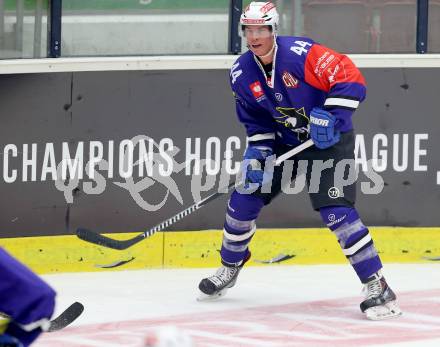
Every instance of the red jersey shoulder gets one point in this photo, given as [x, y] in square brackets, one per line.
[325, 67]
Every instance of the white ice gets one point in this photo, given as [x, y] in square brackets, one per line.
[275, 305]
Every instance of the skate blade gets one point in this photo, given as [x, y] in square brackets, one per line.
[205, 297]
[387, 311]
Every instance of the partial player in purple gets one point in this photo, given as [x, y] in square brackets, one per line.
[27, 301]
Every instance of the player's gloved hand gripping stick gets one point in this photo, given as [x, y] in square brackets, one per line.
[323, 128]
[254, 155]
[101, 240]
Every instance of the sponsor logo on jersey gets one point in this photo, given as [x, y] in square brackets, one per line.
[257, 91]
[323, 62]
[289, 80]
[279, 96]
[332, 73]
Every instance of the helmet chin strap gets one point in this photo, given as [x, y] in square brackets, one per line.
[268, 53]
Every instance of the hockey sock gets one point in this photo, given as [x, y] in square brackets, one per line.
[354, 239]
[239, 227]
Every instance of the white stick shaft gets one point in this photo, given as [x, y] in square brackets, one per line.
[294, 151]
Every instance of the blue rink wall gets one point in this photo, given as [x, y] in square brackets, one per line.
[184, 121]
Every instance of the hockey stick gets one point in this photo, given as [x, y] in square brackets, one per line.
[98, 239]
[66, 317]
[63, 320]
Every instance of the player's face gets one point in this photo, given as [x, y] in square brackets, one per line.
[259, 38]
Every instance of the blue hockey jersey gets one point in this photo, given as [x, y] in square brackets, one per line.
[304, 75]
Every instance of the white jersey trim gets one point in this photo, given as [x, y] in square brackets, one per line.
[341, 102]
[260, 137]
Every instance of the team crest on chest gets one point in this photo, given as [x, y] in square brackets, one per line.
[289, 80]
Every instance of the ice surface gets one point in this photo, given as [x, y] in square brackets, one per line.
[273, 305]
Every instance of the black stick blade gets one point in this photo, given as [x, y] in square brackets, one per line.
[115, 264]
[101, 240]
[67, 317]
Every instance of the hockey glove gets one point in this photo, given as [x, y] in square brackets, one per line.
[322, 128]
[258, 164]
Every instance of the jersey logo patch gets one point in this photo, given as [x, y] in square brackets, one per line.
[294, 119]
[289, 80]
[257, 91]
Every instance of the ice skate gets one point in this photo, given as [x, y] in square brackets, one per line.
[216, 286]
[380, 301]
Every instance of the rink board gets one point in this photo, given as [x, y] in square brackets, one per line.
[52, 107]
[189, 249]
[61, 114]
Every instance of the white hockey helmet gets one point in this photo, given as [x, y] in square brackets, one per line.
[260, 13]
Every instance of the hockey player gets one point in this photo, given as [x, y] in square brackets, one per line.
[289, 89]
[27, 301]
